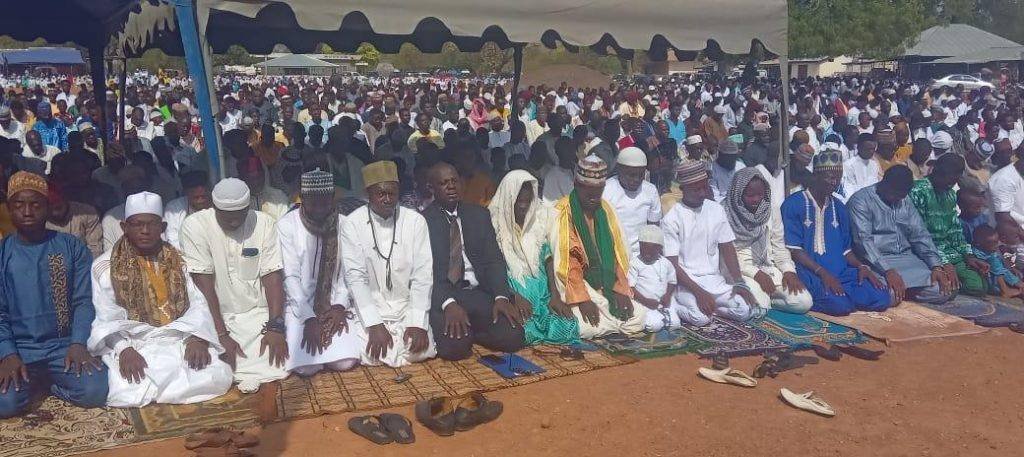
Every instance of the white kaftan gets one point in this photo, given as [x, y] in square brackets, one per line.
[634, 209]
[238, 261]
[168, 378]
[405, 238]
[301, 252]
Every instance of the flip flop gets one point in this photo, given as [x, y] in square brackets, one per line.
[859, 352]
[398, 427]
[832, 353]
[371, 428]
[808, 401]
[727, 376]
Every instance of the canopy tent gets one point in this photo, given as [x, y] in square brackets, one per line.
[658, 26]
[52, 56]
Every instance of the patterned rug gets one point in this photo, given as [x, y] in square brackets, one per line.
[801, 330]
[907, 322]
[370, 388]
[734, 339]
[56, 428]
[233, 410]
[651, 345]
[990, 312]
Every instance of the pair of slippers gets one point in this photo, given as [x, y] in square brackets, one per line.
[221, 442]
[835, 352]
[446, 415]
[383, 428]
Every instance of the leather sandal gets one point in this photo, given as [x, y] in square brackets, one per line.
[475, 409]
[437, 414]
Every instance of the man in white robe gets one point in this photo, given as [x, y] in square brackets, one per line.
[316, 299]
[153, 328]
[388, 268]
[635, 200]
[862, 170]
[196, 186]
[233, 255]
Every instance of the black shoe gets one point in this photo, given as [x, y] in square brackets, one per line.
[475, 409]
[437, 414]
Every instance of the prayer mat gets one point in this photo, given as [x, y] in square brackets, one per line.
[988, 312]
[57, 428]
[665, 343]
[733, 339]
[370, 388]
[800, 331]
[907, 322]
[231, 410]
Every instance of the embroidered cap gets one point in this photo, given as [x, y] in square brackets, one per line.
[694, 139]
[828, 160]
[591, 170]
[317, 182]
[24, 180]
[691, 171]
[231, 194]
[380, 171]
[632, 157]
[143, 203]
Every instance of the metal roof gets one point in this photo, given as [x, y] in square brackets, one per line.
[51, 56]
[1008, 54]
[955, 40]
[296, 61]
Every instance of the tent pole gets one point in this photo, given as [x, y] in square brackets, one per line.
[99, 91]
[517, 73]
[784, 116]
[123, 86]
[190, 41]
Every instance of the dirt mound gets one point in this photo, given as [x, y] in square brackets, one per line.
[553, 75]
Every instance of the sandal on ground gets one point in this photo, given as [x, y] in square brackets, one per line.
[437, 414]
[791, 361]
[371, 428]
[720, 360]
[832, 353]
[398, 427]
[211, 437]
[767, 367]
[808, 401]
[475, 409]
[727, 376]
[859, 352]
[229, 450]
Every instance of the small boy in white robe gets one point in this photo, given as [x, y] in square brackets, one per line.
[653, 280]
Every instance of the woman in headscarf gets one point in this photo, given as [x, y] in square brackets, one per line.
[478, 115]
[765, 261]
[521, 224]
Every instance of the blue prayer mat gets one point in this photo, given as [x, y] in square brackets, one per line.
[990, 312]
[801, 330]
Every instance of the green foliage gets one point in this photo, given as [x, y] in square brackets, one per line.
[235, 55]
[155, 59]
[1001, 17]
[869, 28]
[369, 54]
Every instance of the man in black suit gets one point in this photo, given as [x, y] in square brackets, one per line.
[470, 301]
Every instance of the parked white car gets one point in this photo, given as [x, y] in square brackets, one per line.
[969, 82]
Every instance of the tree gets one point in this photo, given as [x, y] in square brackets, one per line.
[369, 54]
[868, 28]
[235, 55]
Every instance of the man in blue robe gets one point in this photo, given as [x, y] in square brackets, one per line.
[818, 236]
[46, 309]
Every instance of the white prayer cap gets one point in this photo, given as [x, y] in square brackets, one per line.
[927, 114]
[143, 203]
[652, 234]
[942, 140]
[155, 114]
[694, 139]
[720, 109]
[231, 194]
[632, 157]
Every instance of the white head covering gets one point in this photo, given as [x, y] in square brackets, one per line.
[652, 234]
[720, 109]
[942, 140]
[632, 157]
[231, 194]
[694, 139]
[143, 203]
[521, 246]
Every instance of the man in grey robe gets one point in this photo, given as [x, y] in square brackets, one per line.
[890, 236]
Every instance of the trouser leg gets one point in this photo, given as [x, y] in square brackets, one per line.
[497, 335]
[931, 294]
[85, 390]
[448, 348]
[971, 283]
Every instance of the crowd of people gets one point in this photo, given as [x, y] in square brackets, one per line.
[386, 222]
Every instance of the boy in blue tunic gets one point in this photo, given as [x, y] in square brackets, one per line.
[818, 236]
[46, 309]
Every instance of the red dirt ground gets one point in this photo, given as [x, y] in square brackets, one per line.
[947, 397]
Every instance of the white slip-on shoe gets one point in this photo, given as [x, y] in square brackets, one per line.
[807, 402]
[727, 376]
